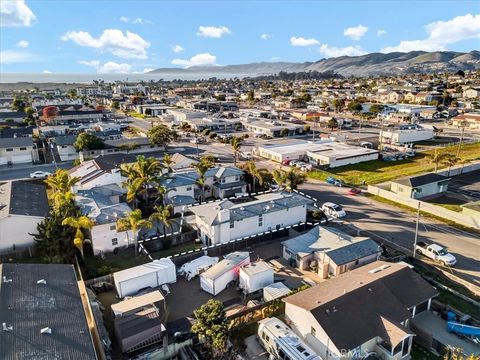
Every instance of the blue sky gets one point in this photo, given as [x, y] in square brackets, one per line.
[122, 36]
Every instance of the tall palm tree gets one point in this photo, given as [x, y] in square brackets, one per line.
[290, 179]
[163, 214]
[202, 167]
[79, 223]
[436, 158]
[133, 221]
[62, 200]
[256, 175]
[450, 160]
[142, 176]
[236, 143]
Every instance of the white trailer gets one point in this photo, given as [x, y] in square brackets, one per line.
[192, 268]
[255, 276]
[221, 275]
[153, 274]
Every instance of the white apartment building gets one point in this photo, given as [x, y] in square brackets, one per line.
[406, 134]
[220, 222]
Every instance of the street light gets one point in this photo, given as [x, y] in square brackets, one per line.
[416, 226]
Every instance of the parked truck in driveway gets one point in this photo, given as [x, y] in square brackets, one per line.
[436, 253]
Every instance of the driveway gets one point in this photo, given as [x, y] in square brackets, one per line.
[254, 350]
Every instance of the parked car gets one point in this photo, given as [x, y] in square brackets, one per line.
[300, 164]
[333, 210]
[286, 162]
[436, 253]
[247, 156]
[354, 191]
[293, 162]
[307, 167]
[40, 174]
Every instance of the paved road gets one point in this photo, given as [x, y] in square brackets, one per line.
[392, 224]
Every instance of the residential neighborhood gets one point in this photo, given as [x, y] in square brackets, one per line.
[321, 210]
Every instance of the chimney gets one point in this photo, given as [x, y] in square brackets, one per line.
[46, 330]
[42, 282]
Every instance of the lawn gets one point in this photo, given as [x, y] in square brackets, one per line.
[377, 171]
[136, 115]
[420, 353]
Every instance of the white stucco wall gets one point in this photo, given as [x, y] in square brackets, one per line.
[15, 229]
[102, 235]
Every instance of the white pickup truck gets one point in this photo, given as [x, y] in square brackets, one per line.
[436, 253]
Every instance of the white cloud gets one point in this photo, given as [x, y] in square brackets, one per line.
[381, 32]
[109, 67]
[300, 41]
[177, 49]
[128, 45]
[15, 13]
[14, 56]
[355, 32]
[146, 70]
[23, 44]
[137, 20]
[197, 60]
[442, 33]
[265, 36]
[46, 72]
[213, 31]
[332, 51]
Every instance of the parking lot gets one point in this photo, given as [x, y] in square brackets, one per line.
[467, 185]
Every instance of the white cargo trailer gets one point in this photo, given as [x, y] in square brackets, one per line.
[219, 276]
[192, 268]
[153, 274]
[255, 276]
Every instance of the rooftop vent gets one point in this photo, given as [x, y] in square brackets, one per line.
[46, 330]
[42, 281]
[7, 327]
[7, 281]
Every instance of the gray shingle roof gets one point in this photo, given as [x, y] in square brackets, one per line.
[28, 307]
[15, 142]
[415, 181]
[28, 198]
[353, 251]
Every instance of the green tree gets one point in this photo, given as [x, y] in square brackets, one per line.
[19, 104]
[290, 179]
[60, 181]
[211, 326]
[53, 241]
[86, 141]
[115, 105]
[437, 158]
[163, 215]
[202, 167]
[251, 95]
[221, 97]
[79, 224]
[375, 108]
[332, 123]
[29, 111]
[168, 162]
[306, 128]
[338, 105]
[451, 160]
[236, 144]
[254, 175]
[134, 222]
[161, 135]
[354, 106]
[284, 132]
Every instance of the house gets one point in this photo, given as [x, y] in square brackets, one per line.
[467, 120]
[420, 187]
[104, 205]
[471, 93]
[181, 162]
[365, 310]
[44, 314]
[395, 96]
[17, 150]
[103, 170]
[273, 128]
[12, 117]
[406, 134]
[23, 205]
[332, 251]
[66, 117]
[220, 222]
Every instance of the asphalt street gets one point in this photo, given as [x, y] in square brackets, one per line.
[382, 221]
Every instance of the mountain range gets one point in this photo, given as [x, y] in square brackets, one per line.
[363, 65]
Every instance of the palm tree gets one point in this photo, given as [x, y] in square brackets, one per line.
[436, 158]
[463, 162]
[167, 161]
[133, 221]
[290, 179]
[202, 167]
[79, 223]
[450, 160]
[60, 181]
[256, 175]
[236, 143]
[163, 214]
[141, 177]
[62, 200]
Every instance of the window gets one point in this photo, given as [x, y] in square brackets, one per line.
[113, 227]
[260, 220]
[222, 180]
[237, 178]
[114, 241]
[23, 148]
[313, 331]
[232, 224]
[9, 149]
[189, 188]
[265, 337]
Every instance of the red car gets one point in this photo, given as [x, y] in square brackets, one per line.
[286, 162]
[354, 191]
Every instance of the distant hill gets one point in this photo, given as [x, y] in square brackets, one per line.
[369, 64]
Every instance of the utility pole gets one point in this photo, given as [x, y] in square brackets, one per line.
[416, 231]
[460, 142]
[381, 136]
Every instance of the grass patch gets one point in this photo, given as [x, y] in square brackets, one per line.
[176, 249]
[420, 353]
[377, 171]
[423, 213]
[452, 207]
[136, 115]
[465, 307]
